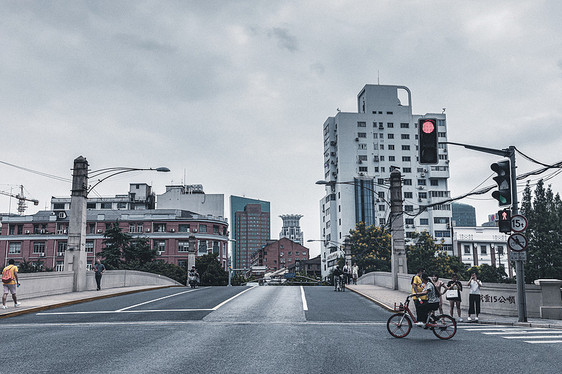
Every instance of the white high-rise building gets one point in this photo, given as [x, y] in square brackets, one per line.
[360, 151]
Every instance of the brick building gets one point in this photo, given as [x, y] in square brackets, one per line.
[43, 236]
[280, 254]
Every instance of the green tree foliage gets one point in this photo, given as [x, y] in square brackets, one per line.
[487, 273]
[27, 266]
[138, 252]
[426, 254]
[210, 270]
[370, 247]
[544, 216]
[115, 245]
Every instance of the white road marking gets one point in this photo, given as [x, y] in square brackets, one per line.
[534, 337]
[544, 341]
[522, 332]
[233, 297]
[151, 301]
[125, 311]
[304, 304]
[192, 322]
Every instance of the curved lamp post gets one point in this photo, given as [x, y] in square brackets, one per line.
[75, 256]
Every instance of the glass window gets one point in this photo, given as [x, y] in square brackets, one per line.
[14, 248]
[89, 248]
[183, 246]
[39, 247]
[202, 228]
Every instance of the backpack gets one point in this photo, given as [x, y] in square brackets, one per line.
[437, 292]
[7, 275]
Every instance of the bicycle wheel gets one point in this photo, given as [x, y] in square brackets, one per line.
[446, 327]
[399, 325]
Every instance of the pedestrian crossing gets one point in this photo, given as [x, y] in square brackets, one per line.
[528, 335]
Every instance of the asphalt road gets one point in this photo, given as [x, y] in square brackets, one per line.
[257, 330]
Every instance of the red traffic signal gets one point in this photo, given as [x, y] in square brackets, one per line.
[427, 137]
[504, 221]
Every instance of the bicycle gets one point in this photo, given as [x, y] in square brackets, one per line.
[399, 324]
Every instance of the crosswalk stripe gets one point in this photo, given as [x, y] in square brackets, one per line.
[544, 341]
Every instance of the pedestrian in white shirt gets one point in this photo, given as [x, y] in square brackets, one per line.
[474, 297]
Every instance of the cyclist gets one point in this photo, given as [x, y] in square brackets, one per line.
[432, 300]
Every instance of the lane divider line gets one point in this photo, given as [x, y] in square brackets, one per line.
[233, 297]
[304, 304]
[158, 299]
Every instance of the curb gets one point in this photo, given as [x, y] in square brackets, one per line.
[77, 301]
[379, 303]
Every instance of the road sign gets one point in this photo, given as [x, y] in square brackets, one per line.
[517, 242]
[518, 223]
[518, 256]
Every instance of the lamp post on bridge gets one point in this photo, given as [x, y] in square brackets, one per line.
[75, 256]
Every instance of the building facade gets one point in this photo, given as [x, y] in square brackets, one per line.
[251, 228]
[360, 151]
[279, 254]
[291, 228]
[482, 245]
[42, 237]
[191, 198]
[464, 215]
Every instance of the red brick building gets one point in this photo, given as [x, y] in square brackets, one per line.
[280, 254]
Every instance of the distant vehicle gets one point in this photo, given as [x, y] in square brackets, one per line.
[252, 284]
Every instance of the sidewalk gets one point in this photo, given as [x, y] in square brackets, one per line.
[386, 298]
[37, 304]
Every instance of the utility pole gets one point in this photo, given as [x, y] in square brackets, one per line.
[75, 255]
[398, 260]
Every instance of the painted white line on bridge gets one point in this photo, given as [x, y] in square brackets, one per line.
[521, 332]
[544, 341]
[123, 311]
[152, 301]
[233, 297]
[304, 304]
[534, 337]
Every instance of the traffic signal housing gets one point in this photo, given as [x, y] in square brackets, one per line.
[427, 137]
[503, 179]
[504, 221]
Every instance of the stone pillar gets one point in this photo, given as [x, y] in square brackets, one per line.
[551, 301]
[398, 256]
[75, 255]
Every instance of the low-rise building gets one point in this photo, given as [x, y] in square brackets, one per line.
[42, 237]
[278, 254]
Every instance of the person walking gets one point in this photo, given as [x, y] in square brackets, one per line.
[355, 272]
[346, 274]
[99, 269]
[10, 281]
[454, 300]
[474, 297]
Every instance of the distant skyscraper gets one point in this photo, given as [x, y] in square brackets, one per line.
[291, 228]
[464, 215]
[251, 228]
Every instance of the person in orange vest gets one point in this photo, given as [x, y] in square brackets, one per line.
[10, 281]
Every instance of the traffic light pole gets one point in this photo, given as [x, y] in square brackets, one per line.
[519, 268]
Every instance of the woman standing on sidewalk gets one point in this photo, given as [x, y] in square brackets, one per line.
[439, 285]
[474, 296]
[454, 284]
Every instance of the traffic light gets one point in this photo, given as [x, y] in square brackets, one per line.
[427, 137]
[504, 221]
[503, 179]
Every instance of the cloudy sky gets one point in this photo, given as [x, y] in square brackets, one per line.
[233, 94]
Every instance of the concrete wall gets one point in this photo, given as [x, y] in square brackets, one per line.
[497, 298]
[46, 283]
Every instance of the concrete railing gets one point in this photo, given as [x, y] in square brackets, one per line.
[543, 298]
[59, 282]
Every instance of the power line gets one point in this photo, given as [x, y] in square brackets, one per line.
[61, 179]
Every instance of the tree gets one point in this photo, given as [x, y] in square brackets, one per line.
[115, 245]
[487, 273]
[544, 217]
[138, 252]
[370, 247]
[426, 254]
[210, 270]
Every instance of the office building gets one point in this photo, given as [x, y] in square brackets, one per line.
[191, 198]
[250, 219]
[464, 215]
[360, 151]
[291, 228]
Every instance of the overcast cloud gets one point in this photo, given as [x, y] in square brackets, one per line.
[233, 94]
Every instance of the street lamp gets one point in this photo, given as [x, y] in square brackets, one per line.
[75, 257]
[229, 263]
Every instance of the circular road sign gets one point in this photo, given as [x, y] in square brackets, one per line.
[517, 242]
[518, 223]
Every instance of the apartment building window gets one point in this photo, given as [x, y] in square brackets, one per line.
[90, 205]
[38, 247]
[422, 182]
[443, 220]
[406, 158]
[215, 230]
[202, 228]
[131, 227]
[381, 158]
[91, 228]
[382, 208]
[216, 247]
[139, 227]
[381, 147]
[160, 227]
[121, 205]
[442, 134]
[183, 228]
[424, 221]
[61, 247]
[183, 246]
[409, 221]
[89, 247]
[59, 266]
[422, 195]
[408, 208]
[408, 195]
[466, 249]
[442, 234]
[362, 157]
[391, 147]
[390, 125]
[363, 169]
[382, 221]
[390, 136]
[106, 206]
[362, 146]
[361, 134]
[404, 125]
[391, 158]
[407, 170]
[404, 136]
[14, 248]
[434, 182]
[202, 248]
[160, 246]
[375, 135]
[407, 182]
[405, 147]
[483, 250]
[380, 181]
[500, 250]
[361, 124]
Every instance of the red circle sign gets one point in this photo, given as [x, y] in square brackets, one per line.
[428, 127]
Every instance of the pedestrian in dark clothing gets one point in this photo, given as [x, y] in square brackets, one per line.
[99, 268]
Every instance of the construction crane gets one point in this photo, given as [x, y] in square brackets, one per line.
[21, 200]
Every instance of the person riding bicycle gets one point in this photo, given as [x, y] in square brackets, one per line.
[432, 301]
[338, 273]
[417, 287]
